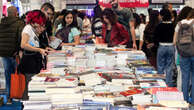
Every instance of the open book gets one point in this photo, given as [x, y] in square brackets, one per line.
[55, 43]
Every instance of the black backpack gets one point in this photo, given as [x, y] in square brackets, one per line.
[10, 38]
[185, 39]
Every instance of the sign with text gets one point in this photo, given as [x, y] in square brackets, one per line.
[126, 3]
[167, 1]
[80, 2]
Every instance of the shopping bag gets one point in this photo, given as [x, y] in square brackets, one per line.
[17, 86]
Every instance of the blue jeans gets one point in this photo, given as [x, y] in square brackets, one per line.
[165, 58]
[187, 69]
[9, 64]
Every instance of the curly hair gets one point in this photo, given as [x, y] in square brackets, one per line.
[110, 15]
[36, 16]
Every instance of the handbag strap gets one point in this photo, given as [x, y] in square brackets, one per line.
[17, 63]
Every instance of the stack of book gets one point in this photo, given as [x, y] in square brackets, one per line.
[37, 105]
[168, 98]
[83, 77]
[91, 79]
[64, 95]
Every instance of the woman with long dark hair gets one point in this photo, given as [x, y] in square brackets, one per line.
[139, 31]
[113, 32]
[187, 62]
[182, 15]
[69, 34]
[149, 48]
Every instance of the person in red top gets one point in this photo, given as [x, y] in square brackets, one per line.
[113, 33]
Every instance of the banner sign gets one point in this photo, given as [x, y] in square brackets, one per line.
[80, 2]
[126, 3]
[167, 1]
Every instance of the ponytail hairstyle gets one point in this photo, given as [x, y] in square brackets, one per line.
[36, 16]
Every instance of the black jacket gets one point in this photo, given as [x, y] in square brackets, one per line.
[10, 36]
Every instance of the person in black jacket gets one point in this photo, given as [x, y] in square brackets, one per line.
[10, 35]
[45, 37]
[149, 48]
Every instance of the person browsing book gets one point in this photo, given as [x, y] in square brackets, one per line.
[69, 33]
[32, 59]
[112, 31]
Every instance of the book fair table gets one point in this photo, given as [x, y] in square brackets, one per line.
[94, 77]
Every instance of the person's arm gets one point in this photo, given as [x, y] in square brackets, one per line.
[26, 46]
[176, 33]
[132, 29]
[174, 38]
[125, 35]
[142, 28]
[76, 41]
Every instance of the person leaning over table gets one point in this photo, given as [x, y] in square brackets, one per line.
[125, 17]
[113, 33]
[69, 34]
[32, 59]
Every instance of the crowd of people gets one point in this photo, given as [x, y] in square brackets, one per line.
[158, 36]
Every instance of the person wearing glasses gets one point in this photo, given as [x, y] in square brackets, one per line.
[32, 59]
[48, 10]
[46, 36]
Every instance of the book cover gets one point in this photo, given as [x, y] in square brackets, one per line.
[131, 92]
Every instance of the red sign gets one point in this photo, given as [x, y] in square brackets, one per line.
[126, 3]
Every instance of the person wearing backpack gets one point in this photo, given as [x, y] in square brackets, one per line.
[182, 15]
[185, 47]
[10, 36]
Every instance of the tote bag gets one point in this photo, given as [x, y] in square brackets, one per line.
[17, 83]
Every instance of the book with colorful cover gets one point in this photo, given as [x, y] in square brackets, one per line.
[149, 83]
[155, 107]
[152, 76]
[154, 90]
[114, 75]
[52, 79]
[131, 92]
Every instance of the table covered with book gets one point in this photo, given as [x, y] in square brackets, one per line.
[94, 77]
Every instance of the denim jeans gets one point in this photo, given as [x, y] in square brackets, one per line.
[9, 64]
[187, 69]
[165, 58]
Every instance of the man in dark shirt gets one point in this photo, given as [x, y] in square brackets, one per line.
[125, 17]
[45, 37]
[48, 10]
